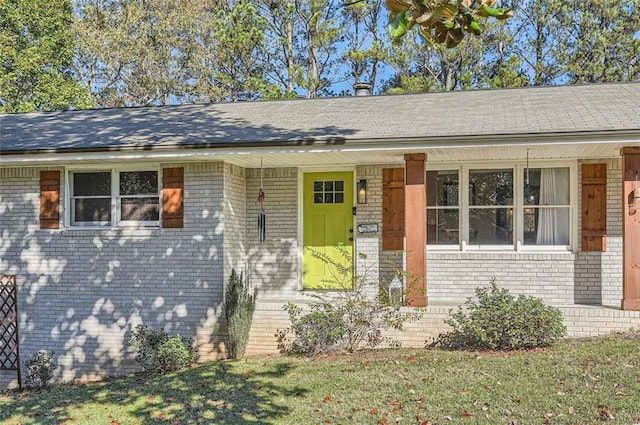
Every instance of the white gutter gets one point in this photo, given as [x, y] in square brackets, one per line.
[383, 145]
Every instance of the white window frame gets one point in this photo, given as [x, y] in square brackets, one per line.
[116, 219]
[518, 205]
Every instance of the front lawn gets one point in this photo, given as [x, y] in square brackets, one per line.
[576, 382]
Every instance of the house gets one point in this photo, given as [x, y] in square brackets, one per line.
[116, 217]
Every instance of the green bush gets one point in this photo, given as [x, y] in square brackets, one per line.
[158, 352]
[497, 320]
[313, 333]
[239, 308]
[348, 318]
[39, 369]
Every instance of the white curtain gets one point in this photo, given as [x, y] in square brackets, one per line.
[553, 223]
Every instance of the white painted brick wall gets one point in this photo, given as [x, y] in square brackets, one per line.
[81, 292]
[273, 264]
[235, 219]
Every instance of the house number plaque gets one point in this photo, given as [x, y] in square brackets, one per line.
[368, 228]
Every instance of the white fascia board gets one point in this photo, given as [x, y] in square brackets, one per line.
[388, 144]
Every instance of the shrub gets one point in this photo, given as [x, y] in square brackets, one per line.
[313, 333]
[40, 367]
[349, 318]
[239, 308]
[158, 352]
[498, 320]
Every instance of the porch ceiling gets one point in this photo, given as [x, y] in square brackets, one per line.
[441, 154]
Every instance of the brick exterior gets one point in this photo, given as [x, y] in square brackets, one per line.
[83, 291]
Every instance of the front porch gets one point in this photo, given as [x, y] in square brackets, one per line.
[581, 320]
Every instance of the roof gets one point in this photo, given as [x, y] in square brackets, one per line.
[532, 111]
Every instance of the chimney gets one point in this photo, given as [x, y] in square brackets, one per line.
[362, 89]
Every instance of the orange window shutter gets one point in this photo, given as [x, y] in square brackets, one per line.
[49, 199]
[594, 207]
[393, 208]
[173, 197]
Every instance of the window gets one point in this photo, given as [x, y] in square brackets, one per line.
[490, 207]
[496, 207]
[443, 212]
[110, 197]
[328, 192]
[546, 206]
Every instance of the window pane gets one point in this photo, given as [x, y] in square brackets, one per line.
[443, 226]
[491, 187]
[490, 226]
[546, 226]
[92, 210]
[139, 183]
[442, 188]
[92, 184]
[546, 186]
[140, 209]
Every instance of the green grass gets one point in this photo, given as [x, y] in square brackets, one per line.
[575, 382]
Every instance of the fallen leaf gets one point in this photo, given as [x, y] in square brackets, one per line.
[328, 421]
[374, 411]
[115, 423]
[411, 358]
[420, 400]
[383, 421]
[464, 392]
[466, 414]
[620, 394]
[572, 410]
[327, 399]
[605, 414]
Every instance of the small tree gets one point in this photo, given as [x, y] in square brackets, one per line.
[239, 308]
[350, 317]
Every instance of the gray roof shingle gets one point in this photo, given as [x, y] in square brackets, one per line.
[535, 111]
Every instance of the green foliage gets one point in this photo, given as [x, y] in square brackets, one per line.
[239, 307]
[316, 332]
[497, 320]
[443, 22]
[37, 51]
[159, 352]
[350, 318]
[39, 369]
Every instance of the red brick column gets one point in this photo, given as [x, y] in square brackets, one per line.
[630, 229]
[415, 202]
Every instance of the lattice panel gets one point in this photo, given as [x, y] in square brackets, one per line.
[9, 357]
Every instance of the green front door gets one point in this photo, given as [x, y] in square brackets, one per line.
[327, 224]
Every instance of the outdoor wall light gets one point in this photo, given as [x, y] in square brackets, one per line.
[395, 292]
[362, 191]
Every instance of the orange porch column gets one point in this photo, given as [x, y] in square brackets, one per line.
[630, 229]
[415, 202]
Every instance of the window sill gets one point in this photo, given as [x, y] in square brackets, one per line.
[137, 232]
